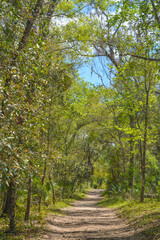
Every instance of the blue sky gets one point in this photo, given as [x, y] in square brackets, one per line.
[85, 73]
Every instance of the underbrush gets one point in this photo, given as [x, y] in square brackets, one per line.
[144, 215]
[35, 227]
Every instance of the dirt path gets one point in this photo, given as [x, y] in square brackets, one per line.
[85, 221]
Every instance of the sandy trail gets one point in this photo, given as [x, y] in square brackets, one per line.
[86, 221]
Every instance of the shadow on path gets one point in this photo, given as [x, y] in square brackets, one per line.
[86, 221]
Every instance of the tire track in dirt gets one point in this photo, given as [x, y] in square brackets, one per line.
[86, 221]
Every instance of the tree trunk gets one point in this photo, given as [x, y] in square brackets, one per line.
[29, 25]
[123, 154]
[43, 179]
[141, 154]
[144, 148]
[22, 44]
[99, 182]
[123, 159]
[64, 185]
[8, 199]
[131, 161]
[12, 207]
[114, 177]
[53, 191]
[10, 202]
[53, 195]
[4, 202]
[28, 199]
[131, 157]
[49, 14]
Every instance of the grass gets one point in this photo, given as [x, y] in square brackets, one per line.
[23, 231]
[144, 215]
[34, 228]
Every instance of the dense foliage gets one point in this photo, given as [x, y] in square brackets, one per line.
[60, 134]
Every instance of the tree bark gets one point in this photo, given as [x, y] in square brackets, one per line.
[144, 148]
[114, 177]
[131, 167]
[123, 156]
[8, 199]
[28, 199]
[53, 196]
[49, 14]
[131, 158]
[64, 185]
[156, 13]
[141, 155]
[10, 203]
[43, 179]
[24, 40]
[53, 191]
[4, 200]
[12, 207]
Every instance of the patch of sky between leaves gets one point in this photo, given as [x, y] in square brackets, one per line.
[92, 72]
[86, 70]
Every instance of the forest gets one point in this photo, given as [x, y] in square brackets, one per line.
[61, 134]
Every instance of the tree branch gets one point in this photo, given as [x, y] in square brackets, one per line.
[141, 57]
[49, 16]
[155, 12]
[29, 25]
